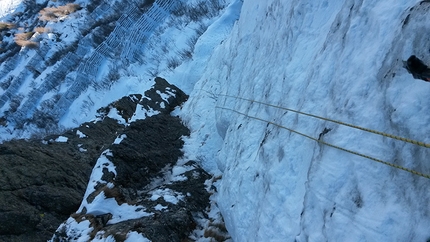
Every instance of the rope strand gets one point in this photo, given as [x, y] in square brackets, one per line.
[331, 145]
[419, 143]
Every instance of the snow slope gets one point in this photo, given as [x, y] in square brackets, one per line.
[95, 55]
[336, 59]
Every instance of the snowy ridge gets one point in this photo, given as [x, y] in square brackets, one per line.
[16, 82]
[37, 62]
[52, 80]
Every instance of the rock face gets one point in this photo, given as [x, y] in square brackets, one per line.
[43, 182]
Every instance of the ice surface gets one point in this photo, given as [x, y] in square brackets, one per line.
[336, 59]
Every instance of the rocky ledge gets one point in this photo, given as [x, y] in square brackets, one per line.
[120, 177]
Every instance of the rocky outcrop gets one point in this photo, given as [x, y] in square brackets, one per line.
[135, 144]
[42, 181]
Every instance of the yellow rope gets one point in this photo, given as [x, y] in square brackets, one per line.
[419, 143]
[331, 145]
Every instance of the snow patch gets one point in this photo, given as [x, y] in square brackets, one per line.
[80, 134]
[81, 230]
[97, 174]
[160, 207]
[102, 205]
[142, 113]
[167, 194]
[61, 139]
[119, 139]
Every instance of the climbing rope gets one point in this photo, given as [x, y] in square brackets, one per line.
[328, 144]
[419, 143]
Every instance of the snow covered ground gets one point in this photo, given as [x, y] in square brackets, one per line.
[335, 59]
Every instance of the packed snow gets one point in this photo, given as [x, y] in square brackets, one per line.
[340, 60]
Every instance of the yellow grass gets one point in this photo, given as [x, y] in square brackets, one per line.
[42, 30]
[55, 13]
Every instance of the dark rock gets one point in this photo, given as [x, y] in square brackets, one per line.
[151, 145]
[18, 222]
[42, 183]
[198, 197]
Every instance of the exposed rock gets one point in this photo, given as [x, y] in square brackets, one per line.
[168, 222]
[42, 181]
[145, 152]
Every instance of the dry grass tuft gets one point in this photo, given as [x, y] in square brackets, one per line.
[22, 39]
[28, 44]
[215, 235]
[4, 26]
[55, 13]
[42, 30]
[23, 36]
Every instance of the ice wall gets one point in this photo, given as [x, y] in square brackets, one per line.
[336, 59]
